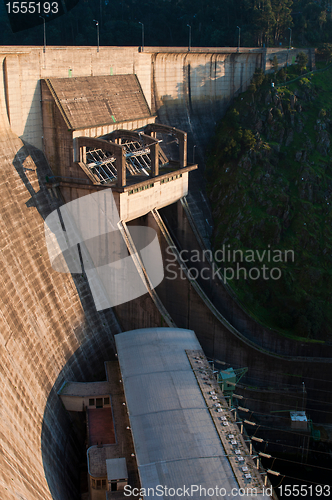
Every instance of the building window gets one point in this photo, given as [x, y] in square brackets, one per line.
[99, 484]
[91, 402]
[99, 402]
[106, 401]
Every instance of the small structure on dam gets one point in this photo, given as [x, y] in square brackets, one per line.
[110, 453]
[90, 144]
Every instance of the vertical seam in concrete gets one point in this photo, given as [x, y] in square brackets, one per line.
[5, 86]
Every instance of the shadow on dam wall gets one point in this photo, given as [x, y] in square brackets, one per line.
[50, 331]
[63, 443]
[195, 96]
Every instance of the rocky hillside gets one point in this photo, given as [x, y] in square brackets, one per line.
[270, 184]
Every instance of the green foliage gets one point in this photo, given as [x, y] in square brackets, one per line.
[252, 87]
[303, 326]
[305, 83]
[258, 77]
[233, 117]
[232, 148]
[326, 51]
[302, 60]
[282, 74]
[213, 23]
[249, 140]
[264, 196]
[275, 64]
[277, 113]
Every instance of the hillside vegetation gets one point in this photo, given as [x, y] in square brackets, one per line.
[270, 184]
[214, 23]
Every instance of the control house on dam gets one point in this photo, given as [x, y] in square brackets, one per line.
[79, 124]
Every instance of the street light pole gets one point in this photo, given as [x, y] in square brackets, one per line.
[139, 22]
[189, 44]
[97, 24]
[290, 38]
[239, 39]
[44, 49]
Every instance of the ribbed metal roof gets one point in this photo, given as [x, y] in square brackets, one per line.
[175, 439]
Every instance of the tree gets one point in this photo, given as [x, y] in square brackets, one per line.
[264, 21]
[258, 77]
[322, 19]
[302, 61]
[282, 74]
[283, 18]
[249, 140]
[326, 51]
[275, 63]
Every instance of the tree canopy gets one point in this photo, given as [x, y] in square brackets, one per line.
[213, 23]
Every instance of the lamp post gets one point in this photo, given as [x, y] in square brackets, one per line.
[97, 24]
[239, 39]
[44, 49]
[189, 44]
[290, 38]
[139, 22]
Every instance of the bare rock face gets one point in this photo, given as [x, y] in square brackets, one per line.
[299, 127]
[323, 142]
[298, 156]
[245, 163]
[259, 125]
[290, 137]
[292, 101]
[268, 98]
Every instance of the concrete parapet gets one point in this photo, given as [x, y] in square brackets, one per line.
[176, 83]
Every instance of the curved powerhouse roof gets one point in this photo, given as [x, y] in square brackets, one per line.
[175, 439]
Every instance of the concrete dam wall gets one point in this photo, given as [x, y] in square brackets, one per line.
[50, 330]
[188, 90]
